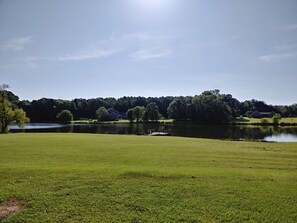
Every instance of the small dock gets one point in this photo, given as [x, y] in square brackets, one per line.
[160, 134]
[152, 132]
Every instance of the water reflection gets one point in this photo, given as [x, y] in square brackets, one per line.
[38, 126]
[268, 133]
[282, 138]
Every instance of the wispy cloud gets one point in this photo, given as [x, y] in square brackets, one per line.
[30, 62]
[206, 44]
[286, 47]
[27, 62]
[149, 37]
[214, 42]
[105, 48]
[85, 55]
[145, 46]
[33, 62]
[148, 44]
[16, 44]
[147, 54]
[276, 57]
[290, 26]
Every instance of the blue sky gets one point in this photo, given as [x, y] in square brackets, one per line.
[111, 48]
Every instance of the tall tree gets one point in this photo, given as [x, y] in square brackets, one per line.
[130, 114]
[65, 116]
[233, 104]
[152, 112]
[138, 112]
[210, 108]
[102, 114]
[8, 114]
[177, 109]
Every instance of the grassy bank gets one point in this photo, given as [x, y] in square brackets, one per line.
[111, 178]
[122, 121]
[238, 121]
[266, 121]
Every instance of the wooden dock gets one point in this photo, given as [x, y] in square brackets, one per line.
[160, 134]
[152, 132]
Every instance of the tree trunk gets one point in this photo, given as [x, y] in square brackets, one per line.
[4, 125]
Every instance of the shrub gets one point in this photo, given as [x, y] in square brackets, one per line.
[276, 118]
[65, 116]
[102, 114]
[264, 121]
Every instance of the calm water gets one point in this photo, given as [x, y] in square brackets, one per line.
[281, 138]
[267, 133]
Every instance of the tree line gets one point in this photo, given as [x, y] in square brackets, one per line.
[208, 107]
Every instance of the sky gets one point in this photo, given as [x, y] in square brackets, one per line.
[112, 48]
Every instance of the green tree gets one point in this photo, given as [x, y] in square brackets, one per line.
[151, 112]
[138, 112]
[276, 118]
[232, 103]
[191, 112]
[8, 114]
[249, 114]
[130, 115]
[65, 116]
[210, 108]
[135, 113]
[102, 114]
[177, 109]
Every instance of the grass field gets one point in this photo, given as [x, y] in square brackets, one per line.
[265, 121]
[112, 178]
[244, 121]
[122, 121]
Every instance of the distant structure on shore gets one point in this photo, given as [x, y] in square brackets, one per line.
[116, 114]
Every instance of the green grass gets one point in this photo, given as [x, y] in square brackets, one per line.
[111, 178]
[261, 121]
[86, 121]
[95, 121]
[122, 121]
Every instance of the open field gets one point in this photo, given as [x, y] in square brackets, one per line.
[95, 121]
[122, 121]
[266, 121]
[112, 178]
[244, 121]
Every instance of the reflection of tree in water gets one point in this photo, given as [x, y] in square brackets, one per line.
[186, 130]
[206, 131]
[136, 129]
[229, 132]
[144, 128]
[66, 128]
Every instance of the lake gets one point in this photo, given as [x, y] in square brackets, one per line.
[265, 133]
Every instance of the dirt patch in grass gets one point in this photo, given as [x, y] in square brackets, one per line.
[10, 206]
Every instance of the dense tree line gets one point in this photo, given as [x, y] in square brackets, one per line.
[208, 107]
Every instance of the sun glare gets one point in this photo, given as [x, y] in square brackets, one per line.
[154, 5]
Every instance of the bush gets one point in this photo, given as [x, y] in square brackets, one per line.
[130, 115]
[264, 121]
[276, 118]
[102, 114]
[65, 116]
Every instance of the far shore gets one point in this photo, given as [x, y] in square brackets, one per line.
[292, 121]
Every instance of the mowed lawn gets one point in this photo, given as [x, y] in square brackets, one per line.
[123, 178]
